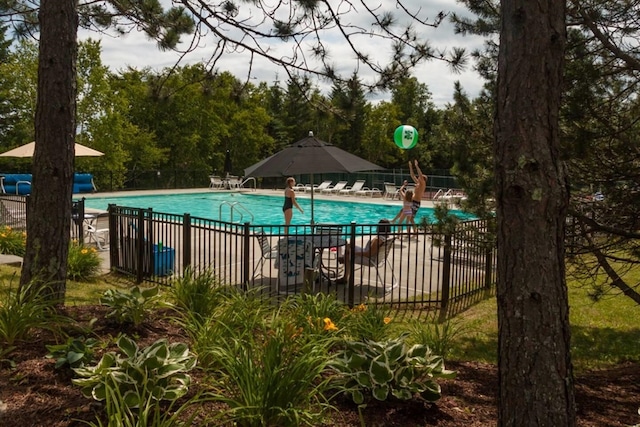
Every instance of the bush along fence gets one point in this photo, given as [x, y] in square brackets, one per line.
[423, 271]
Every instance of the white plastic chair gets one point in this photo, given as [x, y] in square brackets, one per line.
[100, 236]
[267, 253]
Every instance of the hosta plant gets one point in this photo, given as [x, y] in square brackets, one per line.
[132, 307]
[157, 372]
[389, 368]
[74, 353]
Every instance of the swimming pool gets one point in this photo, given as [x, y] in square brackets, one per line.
[266, 210]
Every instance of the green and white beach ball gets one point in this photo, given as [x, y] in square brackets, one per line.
[405, 136]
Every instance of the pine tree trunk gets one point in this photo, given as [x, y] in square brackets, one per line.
[536, 380]
[49, 225]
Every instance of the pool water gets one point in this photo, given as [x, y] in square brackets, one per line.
[261, 209]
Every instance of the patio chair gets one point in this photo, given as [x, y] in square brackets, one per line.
[322, 186]
[391, 192]
[371, 192]
[13, 214]
[235, 181]
[267, 253]
[380, 262]
[357, 186]
[216, 182]
[334, 190]
[100, 236]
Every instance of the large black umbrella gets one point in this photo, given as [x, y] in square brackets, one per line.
[308, 156]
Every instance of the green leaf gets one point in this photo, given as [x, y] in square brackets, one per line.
[357, 396]
[380, 371]
[128, 346]
[381, 392]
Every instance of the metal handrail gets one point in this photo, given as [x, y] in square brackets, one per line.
[232, 208]
[251, 178]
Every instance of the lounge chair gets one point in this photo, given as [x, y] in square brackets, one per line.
[391, 192]
[380, 262]
[13, 213]
[371, 192]
[336, 188]
[357, 186]
[322, 186]
[215, 182]
[234, 181]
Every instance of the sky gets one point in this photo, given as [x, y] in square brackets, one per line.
[136, 50]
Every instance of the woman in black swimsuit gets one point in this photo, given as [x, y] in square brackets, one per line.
[289, 203]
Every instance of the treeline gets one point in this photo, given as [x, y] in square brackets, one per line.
[186, 118]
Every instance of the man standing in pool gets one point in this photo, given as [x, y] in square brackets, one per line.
[421, 186]
[289, 203]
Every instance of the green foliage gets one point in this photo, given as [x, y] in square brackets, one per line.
[26, 309]
[132, 307]
[309, 311]
[274, 378]
[12, 242]
[439, 337]
[369, 322]
[74, 353]
[196, 294]
[389, 367]
[237, 315]
[155, 373]
[83, 262]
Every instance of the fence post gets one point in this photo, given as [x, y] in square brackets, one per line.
[114, 242]
[186, 242]
[446, 276]
[488, 270]
[352, 246]
[140, 246]
[245, 256]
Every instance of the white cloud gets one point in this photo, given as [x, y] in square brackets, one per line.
[136, 50]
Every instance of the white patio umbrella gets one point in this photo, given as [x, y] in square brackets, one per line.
[27, 150]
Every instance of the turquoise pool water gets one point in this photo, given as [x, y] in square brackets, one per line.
[261, 209]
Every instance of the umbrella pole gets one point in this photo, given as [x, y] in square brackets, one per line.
[311, 179]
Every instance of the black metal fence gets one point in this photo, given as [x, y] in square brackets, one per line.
[420, 270]
[174, 179]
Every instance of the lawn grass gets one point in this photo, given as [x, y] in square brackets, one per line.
[604, 333]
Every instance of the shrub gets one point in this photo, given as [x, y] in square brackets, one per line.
[12, 242]
[74, 353]
[311, 312]
[389, 367]
[439, 337]
[158, 372]
[133, 307]
[196, 295]
[274, 379]
[369, 322]
[25, 309]
[83, 262]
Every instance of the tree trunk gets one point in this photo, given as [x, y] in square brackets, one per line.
[49, 225]
[536, 380]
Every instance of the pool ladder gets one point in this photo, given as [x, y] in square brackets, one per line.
[235, 207]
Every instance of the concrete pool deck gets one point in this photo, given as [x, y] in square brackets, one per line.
[420, 250]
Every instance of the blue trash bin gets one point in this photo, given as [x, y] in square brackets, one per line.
[164, 260]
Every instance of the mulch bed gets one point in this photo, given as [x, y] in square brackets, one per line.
[35, 394]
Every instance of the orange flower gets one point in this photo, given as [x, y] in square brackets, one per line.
[329, 325]
[387, 320]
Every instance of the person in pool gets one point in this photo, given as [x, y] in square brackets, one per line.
[289, 203]
[421, 186]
